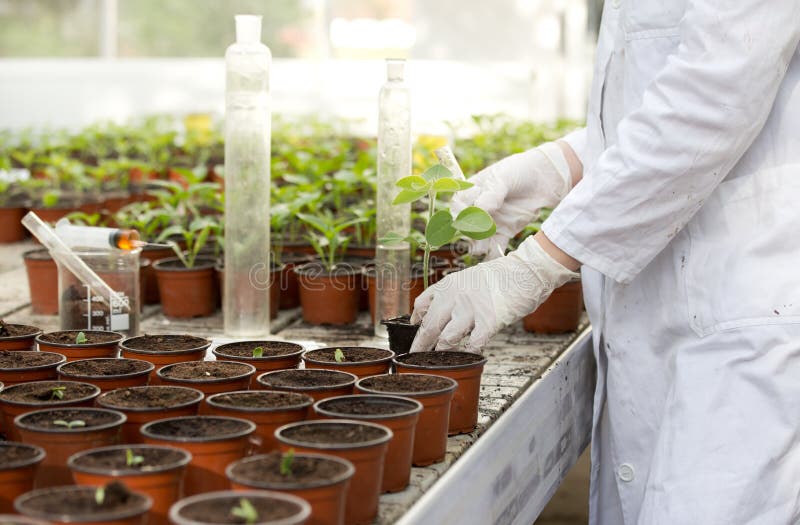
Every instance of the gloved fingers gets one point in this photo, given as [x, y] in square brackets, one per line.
[421, 305]
[460, 325]
[495, 246]
[490, 200]
[479, 338]
[432, 325]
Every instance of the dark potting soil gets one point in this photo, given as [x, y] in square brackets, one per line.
[304, 469]
[105, 367]
[256, 399]
[333, 433]
[16, 330]
[306, 378]
[13, 454]
[399, 383]
[367, 407]
[166, 343]
[82, 502]
[42, 391]
[199, 427]
[91, 418]
[117, 459]
[219, 510]
[68, 338]
[352, 354]
[434, 359]
[271, 348]
[149, 397]
[11, 360]
[205, 370]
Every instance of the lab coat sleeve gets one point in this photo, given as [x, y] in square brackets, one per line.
[577, 141]
[697, 118]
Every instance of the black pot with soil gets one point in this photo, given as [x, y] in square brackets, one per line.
[401, 333]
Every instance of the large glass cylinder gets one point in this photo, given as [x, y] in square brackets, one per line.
[247, 181]
[392, 262]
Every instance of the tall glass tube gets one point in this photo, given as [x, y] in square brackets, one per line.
[392, 262]
[247, 181]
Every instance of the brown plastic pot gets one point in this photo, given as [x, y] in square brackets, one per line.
[55, 497]
[367, 457]
[16, 519]
[277, 355]
[42, 281]
[162, 481]
[24, 341]
[139, 377]
[186, 292]
[464, 408]
[11, 228]
[131, 349]
[193, 510]
[560, 313]
[210, 454]
[148, 273]
[402, 420]
[328, 298]
[289, 294]
[75, 351]
[11, 376]
[269, 381]
[16, 475]
[140, 415]
[244, 404]
[322, 358]
[430, 434]
[62, 442]
[210, 385]
[327, 497]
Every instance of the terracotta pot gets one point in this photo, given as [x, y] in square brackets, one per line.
[210, 385]
[328, 298]
[139, 376]
[327, 497]
[42, 281]
[342, 387]
[12, 375]
[464, 408]
[16, 475]
[148, 273]
[16, 519]
[276, 409]
[25, 340]
[359, 263]
[560, 313]
[365, 250]
[162, 481]
[61, 442]
[11, 229]
[323, 358]
[289, 294]
[75, 351]
[13, 408]
[210, 454]
[401, 417]
[140, 415]
[430, 435]
[55, 499]
[186, 292]
[133, 348]
[276, 355]
[401, 333]
[197, 510]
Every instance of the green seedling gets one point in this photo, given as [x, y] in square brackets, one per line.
[329, 242]
[75, 423]
[286, 463]
[131, 459]
[80, 338]
[246, 511]
[100, 495]
[57, 392]
[258, 351]
[338, 355]
[195, 236]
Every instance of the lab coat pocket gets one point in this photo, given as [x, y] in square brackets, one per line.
[742, 265]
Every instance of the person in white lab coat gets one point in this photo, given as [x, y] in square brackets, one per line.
[680, 203]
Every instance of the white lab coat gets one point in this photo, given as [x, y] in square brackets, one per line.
[687, 224]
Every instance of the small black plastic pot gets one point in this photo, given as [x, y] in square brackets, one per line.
[401, 333]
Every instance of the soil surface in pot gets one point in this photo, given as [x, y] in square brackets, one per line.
[267, 469]
[352, 354]
[256, 399]
[105, 367]
[166, 343]
[200, 370]
[68, 338]
[333, 433]
[149, 397]
[177, 264]
[198, 427]
[219, 511]
[271, 349]
[27, 359]
[306, 378]
[406, 383]
[37, 392]
[82, 503]
[12, 454]
[16, 330]
[91, 418]
[434, 359]
[117, 459]
[358, 407]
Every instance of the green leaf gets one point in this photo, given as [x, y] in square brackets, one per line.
[406, 196]
[80, 338]
[439, 230]
[413, 183]
[338, 355]
[473, 220]
[258, 351]
[392, 238]
[314, 222]
[446, 185]
[481, 235]
[286, 462]
[437, 172]
[463, 185]
[100, 495]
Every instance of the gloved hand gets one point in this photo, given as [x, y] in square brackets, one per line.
[481, 300]
[513, 190]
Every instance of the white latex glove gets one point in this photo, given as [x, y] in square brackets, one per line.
[481, 300]
[513, 190]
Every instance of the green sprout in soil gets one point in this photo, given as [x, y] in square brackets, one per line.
[80, 338]
[258, 351]
[338, 355]
[100, 495]
[75, 423]
[246, 511]
[286, 463]
[131, 459]
[57, 392]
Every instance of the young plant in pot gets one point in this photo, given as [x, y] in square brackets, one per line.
[80, 344]
[24, 367]
[42, 272]
[266, 356]
[17, 336]
[284, 237]
[107, 373]
[248, 507]
[361, 361]
[18, 464]
[440, 229]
